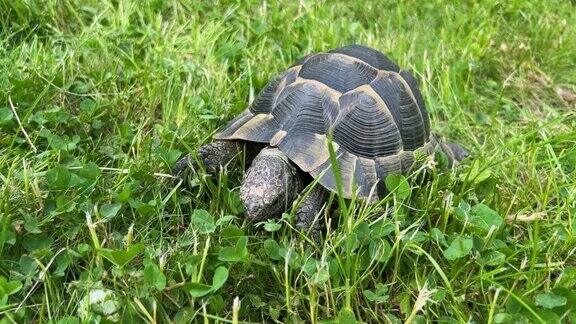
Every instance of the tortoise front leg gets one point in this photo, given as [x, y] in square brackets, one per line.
[308, 211]
[213, 155]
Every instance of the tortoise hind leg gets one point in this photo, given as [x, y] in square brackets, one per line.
[213, 155]
[455, 152]
[309, 208]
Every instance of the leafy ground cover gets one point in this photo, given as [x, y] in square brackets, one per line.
[99, 98]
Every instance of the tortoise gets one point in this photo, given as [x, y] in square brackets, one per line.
[353, 97]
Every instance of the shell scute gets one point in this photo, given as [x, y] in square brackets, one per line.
[365, 127]
[368, 55]
[404, 110]
[337, 71]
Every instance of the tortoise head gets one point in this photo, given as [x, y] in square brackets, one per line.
[271, 185]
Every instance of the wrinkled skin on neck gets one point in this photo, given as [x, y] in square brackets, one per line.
[271, 185]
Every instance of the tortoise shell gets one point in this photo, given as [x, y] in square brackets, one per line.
[373, 108]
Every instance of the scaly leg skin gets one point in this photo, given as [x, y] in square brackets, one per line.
[455, 152]
[307, 211]
[213, 155]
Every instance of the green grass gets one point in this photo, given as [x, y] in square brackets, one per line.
[107, 94]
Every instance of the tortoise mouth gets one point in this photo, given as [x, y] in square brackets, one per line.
[253, 210]
[256, 210]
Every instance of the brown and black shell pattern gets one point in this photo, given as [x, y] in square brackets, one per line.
[373, 108]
